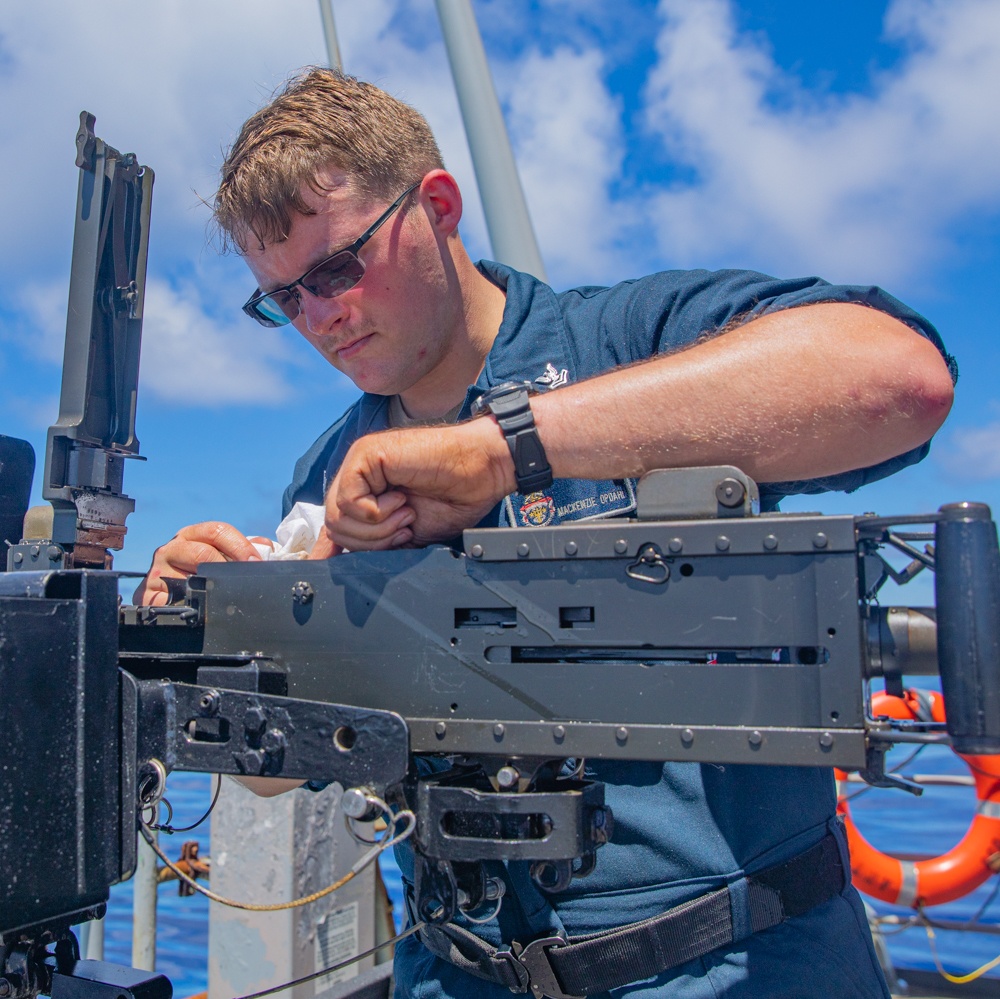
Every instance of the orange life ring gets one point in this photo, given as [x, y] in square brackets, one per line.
[938, 879]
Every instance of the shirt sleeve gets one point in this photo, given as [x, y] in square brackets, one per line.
[308, 483]
[671, 310]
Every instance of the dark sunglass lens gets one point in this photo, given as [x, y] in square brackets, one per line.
[334, 276]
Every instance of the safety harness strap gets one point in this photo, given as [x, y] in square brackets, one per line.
[581, 966]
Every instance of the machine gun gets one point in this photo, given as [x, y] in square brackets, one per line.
[467, 684]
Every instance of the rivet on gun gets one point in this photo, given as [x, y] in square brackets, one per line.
[35, 549]
[440, 730]
[687, 737]
[730, 492]
[302, 592]
[53, 552]
[570, 548]
[675, 545]
[722, 543]
[359, 803]
[18, 558]
[826, 740]
[559, 732]
[820, 541]
[476, 551]
[523, 551]
[755, 738]
[621, 733]
[770, 542]
[507, 777]
[493, 889]
[498, 730]
[621, 546]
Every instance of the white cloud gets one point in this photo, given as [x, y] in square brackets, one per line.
[35, 412]
[568, 133]
[169, 81]
[972, 453]
[850, 186]
[188, 357]
[192, 359]
[43, 332]
[173, 82]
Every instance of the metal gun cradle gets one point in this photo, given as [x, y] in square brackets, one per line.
[736, 639]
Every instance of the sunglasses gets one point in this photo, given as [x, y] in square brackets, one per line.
[331, 277]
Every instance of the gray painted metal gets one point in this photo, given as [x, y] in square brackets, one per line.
[506, 210]
[267, 850]
[740, 641]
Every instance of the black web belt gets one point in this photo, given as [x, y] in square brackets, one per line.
[568, 968]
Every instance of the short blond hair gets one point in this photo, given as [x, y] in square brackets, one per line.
[320, 118]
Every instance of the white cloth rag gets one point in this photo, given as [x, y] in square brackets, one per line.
[295, 535]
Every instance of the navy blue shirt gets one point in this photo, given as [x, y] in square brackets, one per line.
[559, 338]
[681, 829]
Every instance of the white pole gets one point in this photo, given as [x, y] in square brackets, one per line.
[144, 889]
[507, 219]
[330, 34]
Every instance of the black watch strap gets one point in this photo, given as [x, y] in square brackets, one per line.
[510, 404]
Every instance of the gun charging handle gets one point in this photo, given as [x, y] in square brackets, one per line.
[967, 591]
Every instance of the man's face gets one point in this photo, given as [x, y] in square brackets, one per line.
[393, 329]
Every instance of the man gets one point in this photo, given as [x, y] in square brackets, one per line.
[803, 385]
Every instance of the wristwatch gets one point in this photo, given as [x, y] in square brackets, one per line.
[510, 404]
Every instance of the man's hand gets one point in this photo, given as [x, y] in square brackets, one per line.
[408, 488]
[212, 541]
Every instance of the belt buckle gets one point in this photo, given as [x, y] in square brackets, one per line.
[534, 958]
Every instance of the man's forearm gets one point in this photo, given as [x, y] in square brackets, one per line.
[797, 394]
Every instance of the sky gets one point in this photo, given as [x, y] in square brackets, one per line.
[855, 139]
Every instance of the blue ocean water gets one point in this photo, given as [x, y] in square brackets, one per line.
[892, 821]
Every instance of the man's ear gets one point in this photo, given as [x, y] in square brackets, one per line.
[442, 200]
